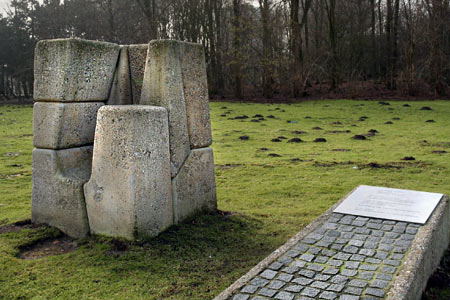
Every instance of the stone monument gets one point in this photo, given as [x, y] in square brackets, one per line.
[376, 243]
[121, 137]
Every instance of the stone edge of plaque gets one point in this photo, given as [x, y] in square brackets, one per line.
[336, 209]
[421, 261]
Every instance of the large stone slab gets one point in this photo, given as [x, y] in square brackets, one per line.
[57, 197]
[163, 86]
[73, 70]
[194, 188]
[129, 193]
[64, 125]
[193, 66]
[389, 203]
[341, 256]
[138, 58]
[121, 89]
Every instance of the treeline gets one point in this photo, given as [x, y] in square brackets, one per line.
[265, 48]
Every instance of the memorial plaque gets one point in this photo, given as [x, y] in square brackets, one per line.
[391, 204]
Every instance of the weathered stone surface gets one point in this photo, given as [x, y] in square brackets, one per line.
[57, 197]
[163, 86]
[121, 88]
[194, 188]
[129, 193]
[71, 70]
[196, 94]
[64, 125]
[137, 57]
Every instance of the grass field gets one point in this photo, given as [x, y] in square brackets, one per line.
[267, 191]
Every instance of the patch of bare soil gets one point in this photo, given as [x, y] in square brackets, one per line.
[373, 165]
[338, 131]
[48, 247]
[16, 227]
[229, 166]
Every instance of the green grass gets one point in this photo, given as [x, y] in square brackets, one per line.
[272, 197]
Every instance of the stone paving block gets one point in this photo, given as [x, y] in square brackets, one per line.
[353, 291]
[121, 87]
[194, 188]
[298, 263]
[307, 273]
[284, 296]
[357, 257]
[196, 94]
[285, 277]
[307, 257]
[64, 125]
[57, 196]
[285, 260]
[339, 279]
[336, 287]
[315, 267]
[74, 70]
[367, 267]
[366, 275]
[137, 56]
[357, 283]
[321, 259]
[302, 281]
[129, 192]
[163, 86]
[267, 292]
[260, 282]
[319, 285]
[276, 284]
[384, 276]
[294, 288]
[275, 266]
[322, 277]
[268, 274]
[328, 295]
[381, 284]
[331, 271]
[375, 292]
[310, 292]
[372, 260]
[348, 273]
[352, 265]
[293, 253]
[241, 297]
[290, 270]
[249, 289]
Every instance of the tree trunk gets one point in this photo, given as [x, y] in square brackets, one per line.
[298, 84]
[149, 9]
[332, 39]
[264, 6]
[218, 18]
[236, 63]
[372, 40]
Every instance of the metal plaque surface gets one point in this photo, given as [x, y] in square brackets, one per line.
[391, 204]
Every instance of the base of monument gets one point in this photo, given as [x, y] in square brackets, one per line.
[348, 257]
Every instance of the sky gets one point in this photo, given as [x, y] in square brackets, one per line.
[3, 5]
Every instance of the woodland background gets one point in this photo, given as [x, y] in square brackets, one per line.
[260, 49]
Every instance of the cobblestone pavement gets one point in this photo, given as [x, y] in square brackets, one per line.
[347, 258]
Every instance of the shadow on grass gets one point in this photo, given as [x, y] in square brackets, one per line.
[193, 260]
